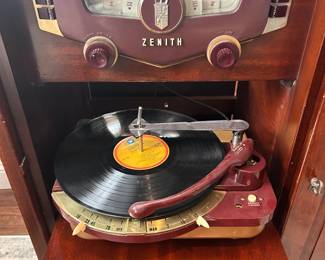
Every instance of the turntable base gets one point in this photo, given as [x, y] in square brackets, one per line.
[64, 246]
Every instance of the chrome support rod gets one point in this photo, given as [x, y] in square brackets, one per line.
[139, 118]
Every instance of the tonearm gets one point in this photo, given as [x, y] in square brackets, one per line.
[139, 127]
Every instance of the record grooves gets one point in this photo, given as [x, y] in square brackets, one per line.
[87, 171]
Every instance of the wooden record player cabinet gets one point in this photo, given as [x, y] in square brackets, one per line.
[44, 91]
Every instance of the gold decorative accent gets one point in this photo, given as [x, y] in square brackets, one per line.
[201, 222]
[81, 227]
[161, 13]
[211, 233]
[161, 31]
[226, 136]
[276, 23]
[50, 26]
[162, 66]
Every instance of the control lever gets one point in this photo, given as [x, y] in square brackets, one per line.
[235, 157]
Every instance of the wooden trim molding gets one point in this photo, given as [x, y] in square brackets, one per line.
[307, 210]
[16, 166]
[293, 132]
[18, 157]
[305, 215]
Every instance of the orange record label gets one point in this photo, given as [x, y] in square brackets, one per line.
[129, 155]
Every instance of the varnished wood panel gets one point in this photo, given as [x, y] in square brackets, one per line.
[291, 141]
[319, 251]
[265, 104]
[11, 221]
[18, 171]
[307, 212]
[63, 246]
[272, 56]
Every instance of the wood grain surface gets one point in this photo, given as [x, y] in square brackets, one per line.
[18, 173]
[265, 105]
[11, 221]
[294, 141]
[319, 250]
[63, 246]
[306, 217]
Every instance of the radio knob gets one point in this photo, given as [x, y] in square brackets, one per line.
[100, 52]
[223, 51]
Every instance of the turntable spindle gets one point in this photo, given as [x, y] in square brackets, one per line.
[139, 126]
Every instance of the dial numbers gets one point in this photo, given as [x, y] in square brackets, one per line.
[123, 8]
[193, 7]
[210, 7]
[130, 8]
[129, 226]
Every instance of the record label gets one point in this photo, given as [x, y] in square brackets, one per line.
[128, 153]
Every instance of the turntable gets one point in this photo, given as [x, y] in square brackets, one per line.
[144, 176]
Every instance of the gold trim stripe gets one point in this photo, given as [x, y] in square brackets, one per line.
[50, 26]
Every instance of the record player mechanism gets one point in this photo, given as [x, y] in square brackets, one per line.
[134, 178]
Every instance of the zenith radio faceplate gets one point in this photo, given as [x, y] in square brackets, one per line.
[161, 32]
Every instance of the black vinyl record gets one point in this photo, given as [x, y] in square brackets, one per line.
[88, 172]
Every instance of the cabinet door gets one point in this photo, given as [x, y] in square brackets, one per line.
[319, 251]
[303, 233]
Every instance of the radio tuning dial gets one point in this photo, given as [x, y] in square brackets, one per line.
[223, 51]
[100, 52]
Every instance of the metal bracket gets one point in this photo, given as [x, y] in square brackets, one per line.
[316, 186]
[288, 83]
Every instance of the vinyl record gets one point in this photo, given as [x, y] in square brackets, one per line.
[101, 166]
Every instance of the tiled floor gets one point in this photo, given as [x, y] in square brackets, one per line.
[16, 248]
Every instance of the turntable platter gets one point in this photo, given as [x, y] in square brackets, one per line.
[101, 166]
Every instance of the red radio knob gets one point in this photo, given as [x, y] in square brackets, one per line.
[223, 51]
[100, 52]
